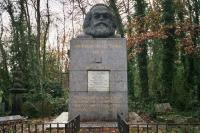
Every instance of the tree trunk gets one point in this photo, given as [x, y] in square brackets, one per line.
[140, 6]
[196, 57]
[38, 29]
[44, 41]
[120, 27]
[167, 73]
[4, 56]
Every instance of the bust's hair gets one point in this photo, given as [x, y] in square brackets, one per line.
[88, 16]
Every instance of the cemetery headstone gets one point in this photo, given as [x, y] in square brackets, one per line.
[163, 108]
[17, 92]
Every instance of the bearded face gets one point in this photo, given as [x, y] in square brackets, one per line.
[101, 23]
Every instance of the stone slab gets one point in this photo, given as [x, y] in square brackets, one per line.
[12, 118]
[163, 107]
[134, 118]
[62, 118]
[98, 124]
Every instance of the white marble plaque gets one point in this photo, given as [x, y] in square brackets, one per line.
[98, 80]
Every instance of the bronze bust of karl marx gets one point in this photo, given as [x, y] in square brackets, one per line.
[99, 23]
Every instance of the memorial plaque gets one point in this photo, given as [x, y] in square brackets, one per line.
[98, 80]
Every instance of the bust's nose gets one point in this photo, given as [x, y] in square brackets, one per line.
[101, 17]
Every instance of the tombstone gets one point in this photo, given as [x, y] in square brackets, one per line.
[163, 108]
[17, 91]
[12, 118]
[98, 70]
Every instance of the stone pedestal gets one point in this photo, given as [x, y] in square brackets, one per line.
[17, 92]
[98, 79]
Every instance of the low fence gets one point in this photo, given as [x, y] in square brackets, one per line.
[164, 128]
[72, 126]
[124, 127]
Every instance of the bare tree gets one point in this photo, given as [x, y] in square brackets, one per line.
[2, 51]
[38, 20]
[45, 39]
[82, 7]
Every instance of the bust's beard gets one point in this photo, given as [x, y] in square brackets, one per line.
[100, 31]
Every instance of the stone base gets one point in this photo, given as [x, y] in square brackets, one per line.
[98, 106]
[99, 127]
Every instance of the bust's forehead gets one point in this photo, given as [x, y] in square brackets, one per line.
[100, 9]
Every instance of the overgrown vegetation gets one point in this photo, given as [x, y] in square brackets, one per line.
[38, 69]
[172, 37]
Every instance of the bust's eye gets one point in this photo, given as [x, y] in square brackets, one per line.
[105, 16]
[96, 16]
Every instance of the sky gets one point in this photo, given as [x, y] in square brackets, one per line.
[72, 28]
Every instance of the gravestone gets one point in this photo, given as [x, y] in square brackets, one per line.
[163, 108]
[17, 91]
[98, 70]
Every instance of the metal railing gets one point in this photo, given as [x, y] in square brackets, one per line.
[124, 127]
[73, 126]
[164, 128]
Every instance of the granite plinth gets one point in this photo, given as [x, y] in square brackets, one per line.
[107, 55]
